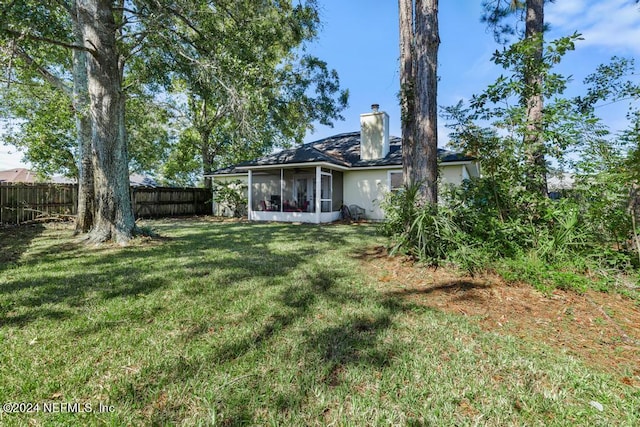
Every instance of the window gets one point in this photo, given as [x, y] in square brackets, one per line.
[395, 180]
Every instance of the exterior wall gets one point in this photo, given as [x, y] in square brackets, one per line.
[366, 189]
[453, 174]
[219, 210]
[313, 218]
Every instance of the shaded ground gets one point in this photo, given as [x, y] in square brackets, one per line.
[601, 329]
[14, 240]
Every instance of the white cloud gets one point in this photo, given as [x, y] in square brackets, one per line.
[609, 24]
[562, 12]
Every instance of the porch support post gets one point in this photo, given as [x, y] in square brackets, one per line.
[318, 193]
[249, 196]
[281, 189]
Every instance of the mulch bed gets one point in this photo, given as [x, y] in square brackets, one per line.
[603, 329]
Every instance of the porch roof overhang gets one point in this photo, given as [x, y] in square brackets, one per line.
[244, 170]
[309, 165]
[213, 175]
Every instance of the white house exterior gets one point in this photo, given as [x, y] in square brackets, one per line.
[311, 183]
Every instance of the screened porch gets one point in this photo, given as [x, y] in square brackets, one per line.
[307, 194]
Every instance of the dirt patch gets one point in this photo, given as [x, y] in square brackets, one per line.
[601, 329]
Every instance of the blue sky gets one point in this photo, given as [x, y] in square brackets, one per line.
[360, 40]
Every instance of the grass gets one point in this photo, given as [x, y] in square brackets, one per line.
[263, 324]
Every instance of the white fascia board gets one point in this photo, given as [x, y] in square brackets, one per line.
[333, 166]
[456, 163]
[370, 168]
[299, 165]
[213, 175]
[362, 168]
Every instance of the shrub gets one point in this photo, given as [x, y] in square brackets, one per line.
[487, 225]
[230, 196]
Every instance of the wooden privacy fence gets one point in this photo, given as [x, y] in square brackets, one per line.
[165, 201]
[22, 202]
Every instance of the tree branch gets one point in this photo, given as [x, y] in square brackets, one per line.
[47, 40]
[52, 79]
[182, 18]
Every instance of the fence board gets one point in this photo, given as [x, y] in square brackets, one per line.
[21, 202]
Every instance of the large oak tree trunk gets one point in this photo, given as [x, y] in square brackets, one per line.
[533, 139]
[426, 52]
[114, 218]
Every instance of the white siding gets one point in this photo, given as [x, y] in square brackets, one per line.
[366, 189]
[452, 174]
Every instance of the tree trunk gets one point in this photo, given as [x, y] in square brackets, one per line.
[114, 218]
[427, 41]
[204, 125]
[533, 139]
[84, 217]
[207, 156]
[407, 89]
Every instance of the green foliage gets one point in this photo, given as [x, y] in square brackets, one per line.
[582, 240]
[238, 68]
[496, 14]
[45, 127]
[184, 163]
[148, 133]
[486, 225]
[503, 106]
[426, 233]
[230, 196]
[244, 81]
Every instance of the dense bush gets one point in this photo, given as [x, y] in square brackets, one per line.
[230, 197]
[485, 225]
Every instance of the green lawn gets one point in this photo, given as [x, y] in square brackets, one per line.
[262, 324]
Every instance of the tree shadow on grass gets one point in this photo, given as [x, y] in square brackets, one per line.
[15, 240]
[461, 290]
[354, 341]
[295, 303]
[234, 252]
[267, 254]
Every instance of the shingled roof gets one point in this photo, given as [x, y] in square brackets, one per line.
[340, 150]
[18, 175]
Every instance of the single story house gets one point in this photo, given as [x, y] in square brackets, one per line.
[310, 183]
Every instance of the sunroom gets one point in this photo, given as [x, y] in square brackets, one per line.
[308, 193]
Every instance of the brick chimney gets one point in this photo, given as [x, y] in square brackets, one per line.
[374, 134]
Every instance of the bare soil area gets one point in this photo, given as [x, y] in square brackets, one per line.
[603, 329]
